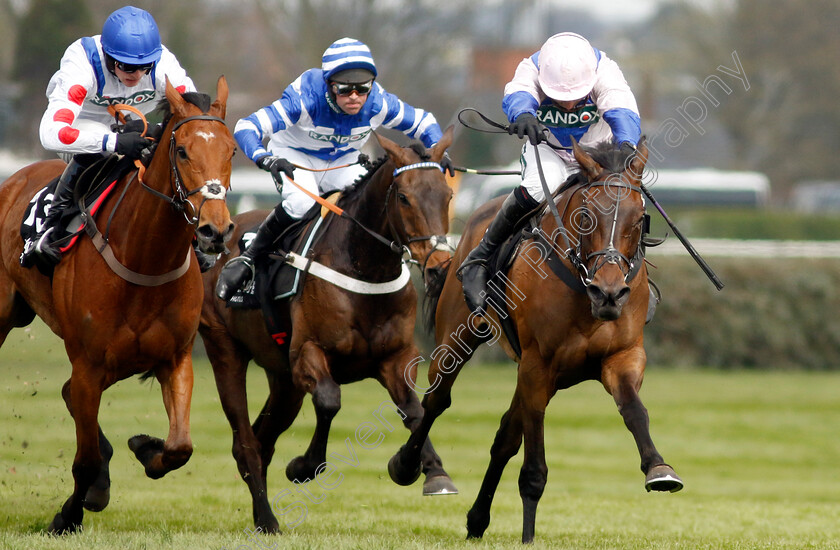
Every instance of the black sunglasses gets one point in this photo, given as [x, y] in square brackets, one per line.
[129, 68]
[361, 88]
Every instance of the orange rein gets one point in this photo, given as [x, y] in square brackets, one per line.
[115, 110]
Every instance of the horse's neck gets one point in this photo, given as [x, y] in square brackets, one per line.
[149, 228]
[369, 209]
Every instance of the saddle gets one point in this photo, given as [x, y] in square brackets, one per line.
[275, 280]
[93, 185]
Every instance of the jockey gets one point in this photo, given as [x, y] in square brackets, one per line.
[321, 122]
[571, 90]
[125, 64]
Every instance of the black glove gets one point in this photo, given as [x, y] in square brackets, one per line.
[527, 124]
[131, 126]
[131, 144]
[446, 165]
[276, 165]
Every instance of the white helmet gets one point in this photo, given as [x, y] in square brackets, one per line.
[567, 67]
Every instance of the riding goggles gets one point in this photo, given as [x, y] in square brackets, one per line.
[362, 88]
[129, 68]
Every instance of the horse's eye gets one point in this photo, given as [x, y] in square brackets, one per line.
[403, 198]
[182, 153]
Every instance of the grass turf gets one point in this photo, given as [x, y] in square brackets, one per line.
[758, 452]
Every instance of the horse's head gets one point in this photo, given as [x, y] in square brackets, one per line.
[418, 203]
[200, 148]
[607, 214]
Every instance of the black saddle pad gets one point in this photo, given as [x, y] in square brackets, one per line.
[90, 187]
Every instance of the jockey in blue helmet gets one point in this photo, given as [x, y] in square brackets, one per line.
[125, 64]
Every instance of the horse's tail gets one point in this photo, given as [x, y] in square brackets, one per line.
[434, 287]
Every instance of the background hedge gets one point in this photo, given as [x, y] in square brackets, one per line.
[771, 314]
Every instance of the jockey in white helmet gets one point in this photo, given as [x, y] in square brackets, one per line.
[569, 89]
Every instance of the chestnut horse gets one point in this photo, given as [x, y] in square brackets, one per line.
[337, 336]
[566, 335]
[113, 328]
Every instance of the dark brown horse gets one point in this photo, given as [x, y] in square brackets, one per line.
[113, 328]
[338, 336]
[587, 329]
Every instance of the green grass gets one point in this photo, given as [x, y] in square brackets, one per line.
[758, 452]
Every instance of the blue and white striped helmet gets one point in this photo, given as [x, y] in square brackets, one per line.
[346, 54]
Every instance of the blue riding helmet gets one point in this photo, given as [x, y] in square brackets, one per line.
[130, 35]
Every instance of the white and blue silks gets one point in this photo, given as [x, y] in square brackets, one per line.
[306, 127]
[608, 114]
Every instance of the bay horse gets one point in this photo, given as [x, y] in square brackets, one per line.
[337, 336]
[113, 328]
[590, 328]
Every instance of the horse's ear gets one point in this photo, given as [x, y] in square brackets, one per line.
[177, 105]
[640, 158]
[591, 168]
[441, 146]
[393, 149]
[219, 107]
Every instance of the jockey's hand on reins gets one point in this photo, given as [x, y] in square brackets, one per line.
[276, 165]
[527, 124]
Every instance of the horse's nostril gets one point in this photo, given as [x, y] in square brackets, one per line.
[595, 294]
[622, 294]
[204, 232]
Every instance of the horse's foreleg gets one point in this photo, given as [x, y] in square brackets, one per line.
[84, 393]
[623, 385]
[278, 413]
[455, 349]
[312, 372]
[437, 481]
[229, 371]
[161, 457]
[99, 494]
[505, 446]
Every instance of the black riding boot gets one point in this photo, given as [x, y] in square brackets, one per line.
[40, 249]
[238, 270]
[475, 272]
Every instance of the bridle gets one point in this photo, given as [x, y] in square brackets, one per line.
[438, 242]
[178, 201]
[609, 255]
[180, 198]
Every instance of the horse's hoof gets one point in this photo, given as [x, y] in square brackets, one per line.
[146, 448]
[60, 526]
[439, 485]
[99, 494]
[97, 498]
[663, 478]
[477, 524]
[399, 474]
[297, 470]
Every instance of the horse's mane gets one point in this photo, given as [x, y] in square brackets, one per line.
[373, 166]
[611, 159]
[164, 109]
[605, 154]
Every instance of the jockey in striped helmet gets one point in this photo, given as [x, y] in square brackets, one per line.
[322, 121]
